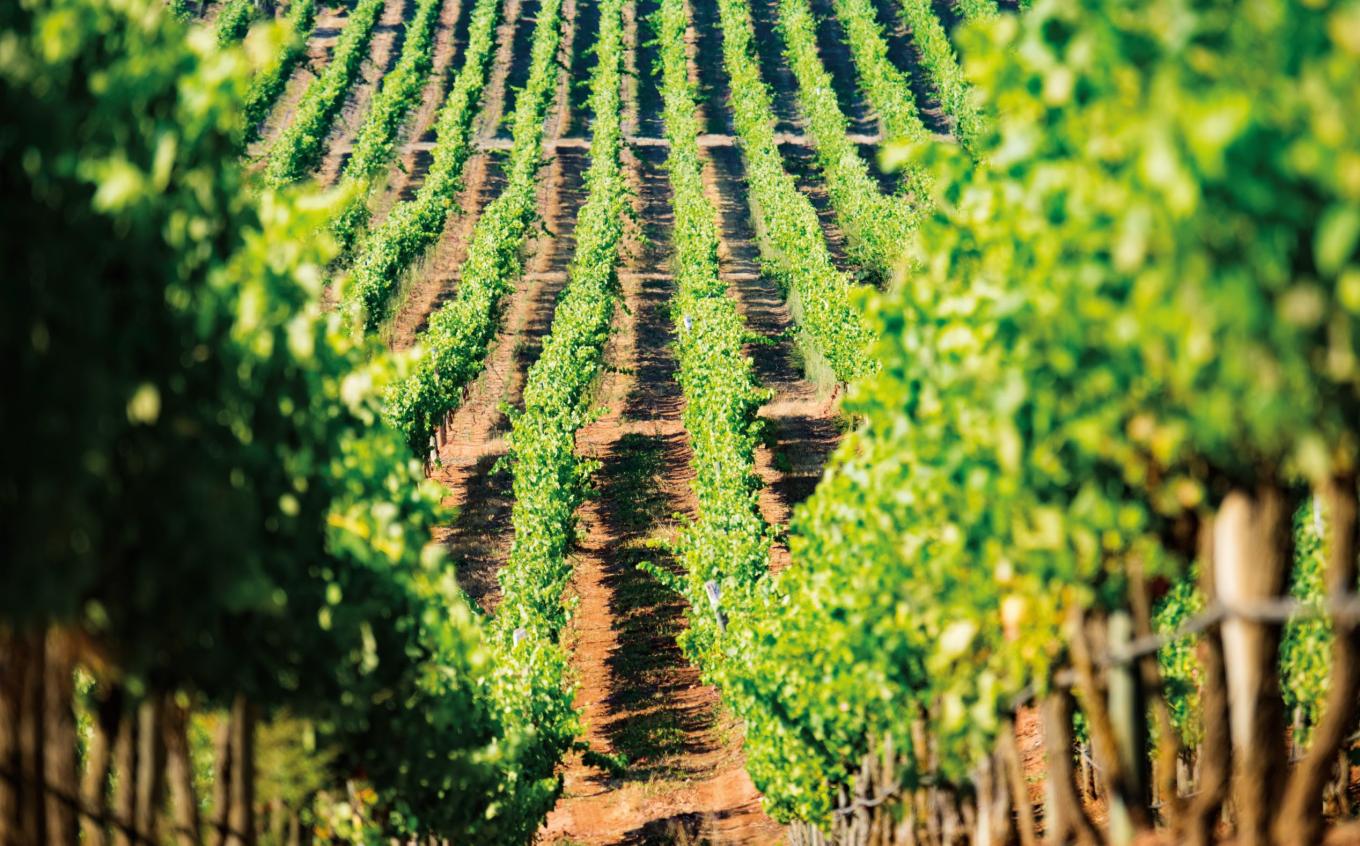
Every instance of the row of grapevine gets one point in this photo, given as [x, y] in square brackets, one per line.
[375, 144]
[1113, 365]
[875, 225]
[215, 517]
[233, 21]
[453, 348]
[977, 9]
[269, 82]
[299, 148]
[793, 246]
[942, 66]
[726, 545]
[886, 87]
[549, 480]
[412, 227]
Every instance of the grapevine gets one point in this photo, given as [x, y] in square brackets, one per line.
[234, 20]
[548, 478]
[942, 65]
[299, 148]
[884, 86]
[795, 250]
[375, 144]
[412, 227]
[727, 543]
[875, 225]
[269, 82]
[453, 348]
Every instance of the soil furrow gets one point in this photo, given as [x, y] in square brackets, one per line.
[496, 94]
[835, 54]
[801, 163]
[580, 68]
[949, 14]
[778, 76]
[208, 13]
[383, 51]
[799, 159]
[683, 778]
[802, 425]
[479, 537]
[517, 72]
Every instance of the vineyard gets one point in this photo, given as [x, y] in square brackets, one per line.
[824, 422]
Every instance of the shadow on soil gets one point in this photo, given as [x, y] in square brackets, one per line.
[648, 727]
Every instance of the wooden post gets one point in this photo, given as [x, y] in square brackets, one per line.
[32, 736]
[1252, 553]
[11, 695]
[151, 769]
[1128, 811]
[180, 774]
[1168, 761]
[94, 788]
[989, 796]
[1013, 769]
[1127, 719]
[126, 749]
[222, 781]
[241, 820]
[60, 773]
[1214, 760]
[1065, 819]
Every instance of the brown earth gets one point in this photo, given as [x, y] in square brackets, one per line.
[683, 778]
[680, 773]
[434, 279]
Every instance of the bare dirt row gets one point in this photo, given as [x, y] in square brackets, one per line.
[683, 779]
[330, 20]
[450, 47]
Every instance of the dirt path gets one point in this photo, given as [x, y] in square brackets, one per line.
[684, 777]
[479, 538]
[802, 424]
[713, 85]
[833, 46]
[801, 421]
[383, 51]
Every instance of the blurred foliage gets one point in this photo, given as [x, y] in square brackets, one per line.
[1136, 291]
[211, 495]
